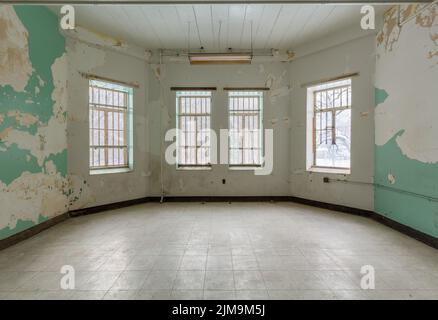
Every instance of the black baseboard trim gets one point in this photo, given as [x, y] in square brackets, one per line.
[331, 206]
[418, 235]
[109, 206]
[411, 232]
[221, 199]
[28, 233]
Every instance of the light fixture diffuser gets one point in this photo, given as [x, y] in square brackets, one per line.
[220, 58]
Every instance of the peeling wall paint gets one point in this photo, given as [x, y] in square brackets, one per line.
[87, 190]
[106, 42]
[357, 56]
[405, 118]
[14, 50]
[33, 146]
[161, 105]
[407, 94]
[36, 130]
[39, 79]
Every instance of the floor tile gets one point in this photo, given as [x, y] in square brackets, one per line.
[153, 295]
[116, 294]
[130, 280]
[217, 251]
[187, 294]
[160, 280]
[219, 280]
[219, 263]
[189, 280]
[219, 295]
[248, 280]
[190, 262]
[252, 295]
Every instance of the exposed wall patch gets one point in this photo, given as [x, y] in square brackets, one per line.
[14, 50]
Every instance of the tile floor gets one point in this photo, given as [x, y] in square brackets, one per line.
[219, 251]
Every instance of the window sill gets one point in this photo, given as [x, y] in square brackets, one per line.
[243, 168]
[110, 170]
[188, 168]
[329, 170]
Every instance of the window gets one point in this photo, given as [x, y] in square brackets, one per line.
[245, 124]
[110, 114]
[330, 107]
[193, 122]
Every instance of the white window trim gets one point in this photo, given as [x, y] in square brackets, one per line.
[310, 165]
[110, 171]
[329, 170]
[127, 132]
[249, 167]
[190, 167]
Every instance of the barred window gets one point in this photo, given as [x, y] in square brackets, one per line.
[109, 106]
[193, 122]
[332, 124]
[245, 110]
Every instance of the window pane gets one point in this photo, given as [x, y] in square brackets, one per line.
[108, 122]
[102, 137]
[245, 129]
[193, 110]
[332, 124]
[343, 138]
[110, 156]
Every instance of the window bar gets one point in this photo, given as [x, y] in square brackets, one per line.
[326, 119]
[92, 135]
[200, 120]
[98, 136]
[125, 133]
[106, 137]
[242, 134]
[113, 128]
[186, 137]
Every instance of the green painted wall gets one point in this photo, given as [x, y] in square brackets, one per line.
[380, 96]
[20, 226]
[406, 201]
[45, 45]
[406, 114]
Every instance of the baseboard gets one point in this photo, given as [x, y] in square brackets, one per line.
[220, 198]
[331, 206]
[109, 206]
[25, 234]
[413, 233]
[418, 235]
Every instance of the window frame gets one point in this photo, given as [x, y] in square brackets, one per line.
[127, 111]
[312, 109]
[185, 93]
[260, 95]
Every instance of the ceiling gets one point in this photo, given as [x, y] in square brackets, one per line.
[217, 27]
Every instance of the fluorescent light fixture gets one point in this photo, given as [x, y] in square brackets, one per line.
[220, 58]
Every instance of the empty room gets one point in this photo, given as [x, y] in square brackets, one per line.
[223, 150]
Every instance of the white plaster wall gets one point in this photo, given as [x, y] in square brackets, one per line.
[284, 111]
[104, 188]
[354, 56]
[409, 87]
[209, 183]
